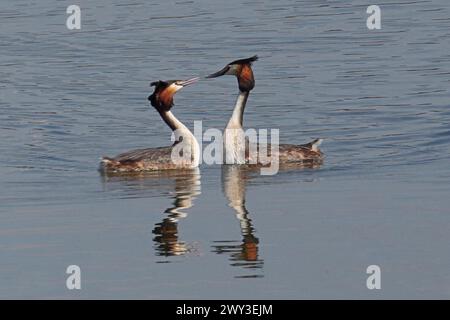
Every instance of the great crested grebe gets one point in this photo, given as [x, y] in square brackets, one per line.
[187, 147]
[237, 152]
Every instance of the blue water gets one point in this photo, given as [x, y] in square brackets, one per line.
[378, 98]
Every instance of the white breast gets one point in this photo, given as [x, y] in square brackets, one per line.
[234, 145]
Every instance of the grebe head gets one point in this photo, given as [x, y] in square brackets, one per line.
[162, 97]
[242, 70]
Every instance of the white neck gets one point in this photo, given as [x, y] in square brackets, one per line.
[237, 118]
[183, 134]
[173, 123]
[234, 138]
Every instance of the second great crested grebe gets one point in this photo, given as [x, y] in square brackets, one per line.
[237, 150]
[160, 158]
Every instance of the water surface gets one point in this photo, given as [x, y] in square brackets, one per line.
[379, 99]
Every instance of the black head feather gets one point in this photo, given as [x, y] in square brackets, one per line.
[155, 98]
[245, 61]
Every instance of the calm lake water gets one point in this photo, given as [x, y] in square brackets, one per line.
[379, 98]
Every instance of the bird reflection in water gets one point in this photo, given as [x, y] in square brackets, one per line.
[244, 253]
[184, 186]
[167, 243]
